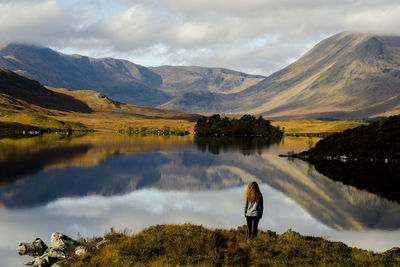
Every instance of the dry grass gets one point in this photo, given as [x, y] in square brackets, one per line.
[192, 245]
[315, 126]
[107, 115]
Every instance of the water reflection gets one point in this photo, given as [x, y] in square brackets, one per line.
[246, 146]
[376, 177]
[91, 183]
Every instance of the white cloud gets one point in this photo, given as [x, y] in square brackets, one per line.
[254, 36]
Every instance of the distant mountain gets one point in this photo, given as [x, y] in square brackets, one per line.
[344, 76]
[119, 79]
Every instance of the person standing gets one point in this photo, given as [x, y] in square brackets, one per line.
[253, 208]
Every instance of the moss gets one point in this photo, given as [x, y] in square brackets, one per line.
[193, 245]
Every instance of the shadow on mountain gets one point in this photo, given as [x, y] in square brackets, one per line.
[16, 87]
[378, 178]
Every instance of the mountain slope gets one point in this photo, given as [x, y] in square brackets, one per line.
[180, 79]
[119, 79]
[14, 88]
[344, 76]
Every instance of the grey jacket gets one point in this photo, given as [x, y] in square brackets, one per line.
[254, 209]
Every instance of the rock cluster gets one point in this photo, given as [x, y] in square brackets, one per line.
[47, 256]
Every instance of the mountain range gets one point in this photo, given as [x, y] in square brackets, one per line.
[344, 76]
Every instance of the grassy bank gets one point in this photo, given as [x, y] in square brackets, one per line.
[177, 245]
[315, 126]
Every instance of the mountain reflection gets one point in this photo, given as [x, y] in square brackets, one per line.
[123, 165]
[376, 177]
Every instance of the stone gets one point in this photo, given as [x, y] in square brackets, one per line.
[56, 254]
[101, 243]
[42, 261]
[60, 241]
[35, 248]
[79, 251]
[30, 263]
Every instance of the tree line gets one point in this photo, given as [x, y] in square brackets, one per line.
[246, 126]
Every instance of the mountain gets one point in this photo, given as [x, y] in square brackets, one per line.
[344, 76]
[119, 79]
[178, 80]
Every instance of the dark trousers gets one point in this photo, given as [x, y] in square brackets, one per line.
[252, 224]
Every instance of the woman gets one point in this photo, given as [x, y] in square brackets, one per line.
[253, 209]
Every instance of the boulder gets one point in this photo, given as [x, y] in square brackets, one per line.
[60, 241]
[79, 251]
[42, 261]
[35, 248]
[56, 254]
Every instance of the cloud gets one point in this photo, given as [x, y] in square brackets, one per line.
[254, 36]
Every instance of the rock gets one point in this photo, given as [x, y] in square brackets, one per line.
[29, 263]
[101, 243]
[35, 248]
[56, 254]
[60, 241]
[42, 261]
[79, 251]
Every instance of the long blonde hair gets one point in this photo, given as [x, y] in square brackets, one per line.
[253, 193]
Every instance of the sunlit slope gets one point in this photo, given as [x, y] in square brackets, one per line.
[315, 126]
[26, 101]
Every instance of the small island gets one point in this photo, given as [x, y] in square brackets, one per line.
[246, 126]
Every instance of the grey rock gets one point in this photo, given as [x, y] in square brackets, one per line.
[35, 248]
[29, 263]
[42, 261]
[56, 254]
[60, 241]
[79, 251]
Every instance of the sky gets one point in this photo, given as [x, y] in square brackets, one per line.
[253, 36]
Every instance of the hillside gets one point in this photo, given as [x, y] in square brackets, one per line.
[14, 87]
[27, 102]
[379, 140]
[192, 245]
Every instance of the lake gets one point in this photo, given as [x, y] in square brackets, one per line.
[85, 185]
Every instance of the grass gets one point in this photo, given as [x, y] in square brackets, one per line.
[193, 245]
[106, 115]
[315, 126]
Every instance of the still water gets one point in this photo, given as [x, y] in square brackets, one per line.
[88, 184]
